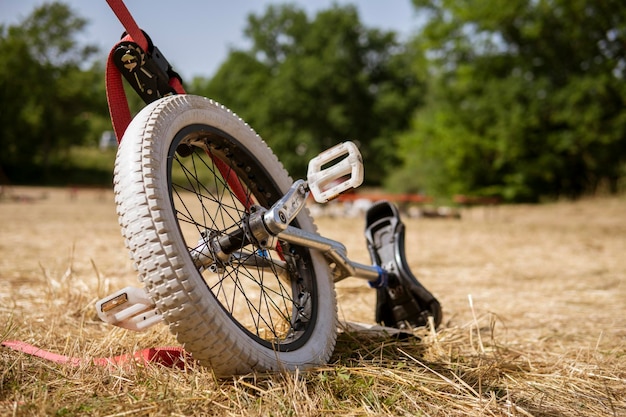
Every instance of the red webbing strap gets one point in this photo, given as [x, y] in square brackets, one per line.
[116, 97]
[177, 85]
[127, 20]
[166, 356]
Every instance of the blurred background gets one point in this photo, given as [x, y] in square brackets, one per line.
[521, 100]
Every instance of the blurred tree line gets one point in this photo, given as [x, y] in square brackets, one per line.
[525, 99]
[309, 83]
[522, 99]
[50, 100]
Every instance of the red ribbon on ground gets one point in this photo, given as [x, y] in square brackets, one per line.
[170, 356]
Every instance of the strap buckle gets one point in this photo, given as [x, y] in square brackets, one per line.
[148, 73]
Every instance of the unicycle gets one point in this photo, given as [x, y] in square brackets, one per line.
[229, 257]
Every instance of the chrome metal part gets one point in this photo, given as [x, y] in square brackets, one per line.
[278, 217]
[333, 250]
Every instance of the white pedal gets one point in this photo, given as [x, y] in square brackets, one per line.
[130, 308]
[334, 171]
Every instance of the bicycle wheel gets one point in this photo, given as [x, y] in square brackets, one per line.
[188, 170]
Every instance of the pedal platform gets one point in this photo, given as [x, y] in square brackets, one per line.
[129, 308]
[335, 171]
[404, 302]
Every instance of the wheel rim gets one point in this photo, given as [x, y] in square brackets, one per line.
[214, 183]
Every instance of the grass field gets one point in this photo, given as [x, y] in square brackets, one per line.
[533, 298]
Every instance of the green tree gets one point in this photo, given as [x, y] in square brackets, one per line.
[50, 100]
[526, 99]
[307, 84]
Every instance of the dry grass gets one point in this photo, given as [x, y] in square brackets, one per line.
[533, 296]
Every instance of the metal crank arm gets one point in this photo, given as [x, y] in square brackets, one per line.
[329, 174]
[336, 252]
[265, 226]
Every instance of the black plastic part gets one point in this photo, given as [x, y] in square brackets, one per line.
[404, 302]
[184, 150]
[148, 72]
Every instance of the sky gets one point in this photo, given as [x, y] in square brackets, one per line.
[197, 36]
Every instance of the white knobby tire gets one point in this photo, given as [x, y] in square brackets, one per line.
[237, 316]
